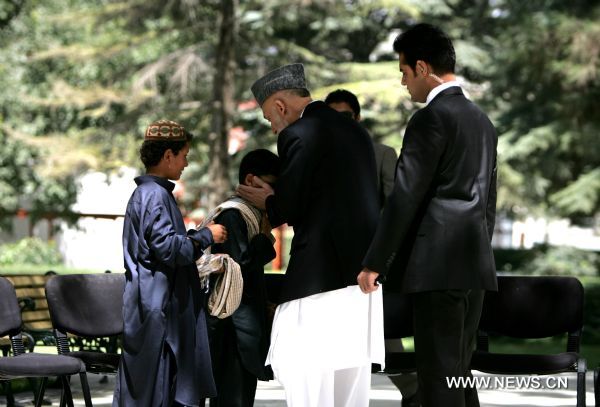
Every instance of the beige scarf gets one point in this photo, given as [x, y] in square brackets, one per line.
[226, 293]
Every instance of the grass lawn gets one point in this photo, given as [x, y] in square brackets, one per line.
[590, 352]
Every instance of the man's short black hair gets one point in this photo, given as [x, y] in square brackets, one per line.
[344, 96]
[152, 151]
[427, 43]
[259, 162]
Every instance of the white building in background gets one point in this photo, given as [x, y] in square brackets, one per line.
[559, 232]
[95, 242]
[531, 231]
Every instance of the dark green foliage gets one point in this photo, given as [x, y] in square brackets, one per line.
[23, 186]
[9, 9]
[511, 260]
[91, 74]
[30, 251]
[544, 260]
[563, 260]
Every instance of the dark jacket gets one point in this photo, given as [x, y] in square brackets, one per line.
[385, 161]
[164, 335]
[437, 225]
[327, 191]
[249, 320]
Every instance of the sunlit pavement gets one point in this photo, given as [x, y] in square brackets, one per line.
[383, 393]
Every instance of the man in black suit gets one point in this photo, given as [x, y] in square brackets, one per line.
[326, 332]
[434, 238]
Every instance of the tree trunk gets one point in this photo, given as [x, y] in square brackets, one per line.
[222, 105]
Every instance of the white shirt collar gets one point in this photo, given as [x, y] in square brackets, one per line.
[436, 91]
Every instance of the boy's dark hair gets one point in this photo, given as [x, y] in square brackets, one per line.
[152, 151]
[344, 96]
[259, 162]
[427, 43]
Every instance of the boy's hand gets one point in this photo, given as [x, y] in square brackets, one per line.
[219, 232]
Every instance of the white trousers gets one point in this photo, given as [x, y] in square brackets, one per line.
[326, 388]
[322, 347]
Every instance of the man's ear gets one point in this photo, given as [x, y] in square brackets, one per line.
[248, 179]
[421, 68]
[280, 105]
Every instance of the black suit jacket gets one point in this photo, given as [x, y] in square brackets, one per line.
[327, 191]
[436, 229]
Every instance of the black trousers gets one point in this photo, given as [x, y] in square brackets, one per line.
[236, 386]
[445, 325]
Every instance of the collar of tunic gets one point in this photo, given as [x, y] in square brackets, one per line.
[163, 182]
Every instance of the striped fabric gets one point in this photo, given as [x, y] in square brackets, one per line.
[226, 292]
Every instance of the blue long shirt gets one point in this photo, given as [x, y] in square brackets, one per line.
[166, 356]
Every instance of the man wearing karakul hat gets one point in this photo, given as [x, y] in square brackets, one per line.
[326, 333]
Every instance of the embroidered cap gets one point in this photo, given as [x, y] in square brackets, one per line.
[165, 130]
[285, 77]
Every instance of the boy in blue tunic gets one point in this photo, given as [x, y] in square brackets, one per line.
[166, 358]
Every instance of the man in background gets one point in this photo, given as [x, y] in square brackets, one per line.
[347, 103]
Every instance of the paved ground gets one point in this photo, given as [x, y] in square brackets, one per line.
[383, 393]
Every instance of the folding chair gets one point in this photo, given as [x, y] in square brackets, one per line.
[89, 306]
[29, 365]
[397, 324]
[528, 308]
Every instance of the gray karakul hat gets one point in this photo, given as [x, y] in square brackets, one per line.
[285, 77]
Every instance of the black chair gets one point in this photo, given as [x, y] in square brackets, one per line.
[34, 365]
[90, 307]
[530, 308]
[397, 324]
